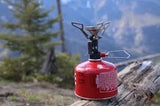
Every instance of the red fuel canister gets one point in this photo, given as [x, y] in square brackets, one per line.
[96, 80]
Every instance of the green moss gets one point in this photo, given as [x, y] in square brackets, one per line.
[13, 98]
[30, 96]
[33, 97]
[156, 99]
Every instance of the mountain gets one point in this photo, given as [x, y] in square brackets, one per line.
[135, 24]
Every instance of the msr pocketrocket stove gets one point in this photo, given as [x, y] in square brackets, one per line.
[96, 79]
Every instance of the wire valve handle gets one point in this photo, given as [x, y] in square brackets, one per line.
[118, 57]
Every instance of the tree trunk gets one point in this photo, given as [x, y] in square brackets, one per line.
[49, 64]
[61, 25]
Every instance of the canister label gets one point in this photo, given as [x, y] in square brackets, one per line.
[106, 81]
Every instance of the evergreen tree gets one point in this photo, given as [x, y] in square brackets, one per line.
[32, 31]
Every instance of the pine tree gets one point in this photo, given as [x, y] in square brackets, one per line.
[32, 32]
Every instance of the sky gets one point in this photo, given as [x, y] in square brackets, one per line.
[65, 1]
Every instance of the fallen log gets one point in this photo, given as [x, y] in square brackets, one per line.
[137, 84]
[145, 58]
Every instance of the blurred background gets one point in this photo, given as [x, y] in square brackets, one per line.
[135, 24]
[36, 34]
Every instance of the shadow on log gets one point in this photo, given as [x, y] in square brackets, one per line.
[137, 84]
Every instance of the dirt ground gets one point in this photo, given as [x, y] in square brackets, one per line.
[34, 94]
[39, 94]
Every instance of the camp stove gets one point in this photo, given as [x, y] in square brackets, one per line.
[96, 79]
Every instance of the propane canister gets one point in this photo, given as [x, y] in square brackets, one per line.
[96, 80]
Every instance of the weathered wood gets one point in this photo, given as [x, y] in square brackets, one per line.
[138, 82]
[125, 63]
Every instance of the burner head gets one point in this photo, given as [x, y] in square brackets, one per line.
[93, 30]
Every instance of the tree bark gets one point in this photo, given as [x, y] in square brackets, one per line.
[61, 25]
[49, 64]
